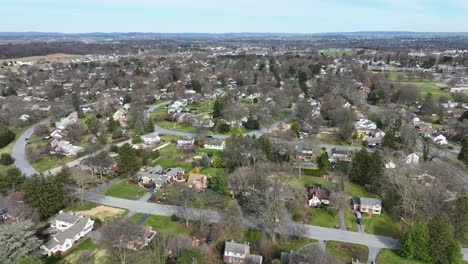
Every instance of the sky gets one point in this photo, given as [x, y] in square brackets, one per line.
[222, 16]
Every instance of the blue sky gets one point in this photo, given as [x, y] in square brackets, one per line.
[218, 16]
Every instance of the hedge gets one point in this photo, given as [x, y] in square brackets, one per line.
[312, 172]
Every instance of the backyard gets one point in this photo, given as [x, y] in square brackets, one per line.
[163, 224]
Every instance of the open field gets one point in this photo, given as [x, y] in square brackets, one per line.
[57, 57]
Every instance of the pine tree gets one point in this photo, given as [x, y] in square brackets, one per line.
[444, 248]
[18, 240]
[421, 242]
[460, 220]
[463, 155]
[407, 245]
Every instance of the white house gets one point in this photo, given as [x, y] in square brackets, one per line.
[66, 148]
[367, 205]
[412, 158]
[215, 144]
[69, 228]
[438, 138]
[151, 139]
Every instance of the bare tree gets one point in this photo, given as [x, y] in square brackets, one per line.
[185, 202]
[118, 237]
[83, 180]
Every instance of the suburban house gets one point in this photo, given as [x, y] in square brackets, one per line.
[142, 242]
[120, 116]
[64, 122]
[318, 195]
[412, 158]
[186, 143]
[65, 148]
[438, 138]
[154, 175]
[102, 168]
[364, 125]
[215, 144]
[337, 155]
[58, 134]
[151, 139]
[68, 229]
[305, 153]
[459, 90]
[203, 123]
[177, 174]
[237, 253]
[367, 205]
[197, 181]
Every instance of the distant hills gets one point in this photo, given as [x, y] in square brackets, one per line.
[138, 35]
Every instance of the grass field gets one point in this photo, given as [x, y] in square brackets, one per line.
[122, 189]
[309, 180]
[164, 223]
[353, 189]
[347, 251]
[177, 126]
[381, 225]
[388, 256]
[324, 217]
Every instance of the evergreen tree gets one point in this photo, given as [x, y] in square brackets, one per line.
[444, 248]
[11, 180]
[460, 219]
[421, 242]
[219, 184]
[429, 106]
[128, 160]
[366, 168]
[218, 108]
[6, 136]
[18, 240]
[463, 155]
[407, 245]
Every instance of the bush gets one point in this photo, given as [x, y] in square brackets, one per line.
[312, 172]
[6, 136]
[6, 159]
[175, 218]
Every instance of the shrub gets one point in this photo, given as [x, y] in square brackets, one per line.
[175, 218]
[6, 136]
[312, 172]
[6, 159]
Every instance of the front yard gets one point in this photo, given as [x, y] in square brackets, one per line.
[324, 217]
[163, 224]
[381, 224]
[388, 256]
[124, 190]
[347, 251]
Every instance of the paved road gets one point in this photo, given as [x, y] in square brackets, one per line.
[308, 231]
[373, 253]
[465, 253]
[19, 149]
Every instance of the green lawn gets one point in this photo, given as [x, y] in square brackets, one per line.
[436, 91]
[47, 163]
[164, 223]
[381, 224]
[324, 217]
[85, 207]
[177, 126]
[122, 189]
[388, 256]
[350, 219]
[294, 244]
[253, 237]
[347, 251]
[356, 190]
[85, 245]
[210, 172]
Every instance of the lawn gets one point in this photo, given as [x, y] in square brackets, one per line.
[47, 163]
[426, 88]
[177, 126]
[324, 217]
[72, 255]
[287, 245]
[388, 256]
[253, 237]
[347, 251]
[164, 223]
[206, 107]
[350, 219]
[210, 172]
[381, 224]
[356, 190]
[122, 189]
[310, 180]
[85, 207]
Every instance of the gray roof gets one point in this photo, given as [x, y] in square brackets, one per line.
[67, 218]
[235, 247]
[70, 233]
[370, 201]
[175, 171]
[253, 259]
